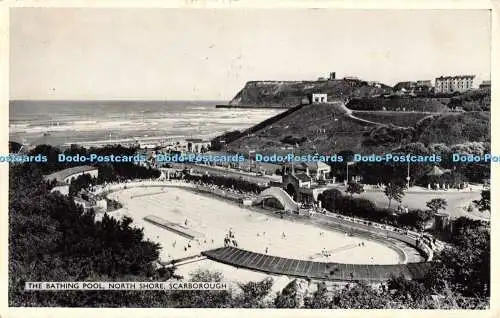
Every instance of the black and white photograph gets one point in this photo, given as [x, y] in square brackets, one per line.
[271, 158]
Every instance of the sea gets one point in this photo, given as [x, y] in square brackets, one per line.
[61, 123]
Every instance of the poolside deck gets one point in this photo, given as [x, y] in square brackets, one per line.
[314, 270]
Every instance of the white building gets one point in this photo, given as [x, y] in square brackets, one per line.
[67, 175]
[450, 84]
[318, 98]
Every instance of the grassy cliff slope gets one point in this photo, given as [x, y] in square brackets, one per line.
[325, 128]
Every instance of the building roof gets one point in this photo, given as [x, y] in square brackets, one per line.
[303, 177]
[456, 76]
[317, 165]
[314, 165]
[435, 171]
[63, 174]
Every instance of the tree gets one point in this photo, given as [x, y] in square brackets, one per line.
[328, 198]
[463, 266]
[253, 294]
[436, 204]
[394, 192]
[407, 290]
[319, 299]
[415, 218]
[204, 298]
[483, 204]
[54, 240]
[287, 298]
[354, 188]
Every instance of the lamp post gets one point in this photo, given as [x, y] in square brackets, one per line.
[408, 177]
[250, 158]
[347, 170]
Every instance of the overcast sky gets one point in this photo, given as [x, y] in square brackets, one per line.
[210, 54]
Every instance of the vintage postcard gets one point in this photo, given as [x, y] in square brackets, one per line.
[222, 155]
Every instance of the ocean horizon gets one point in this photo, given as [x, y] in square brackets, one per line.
[63, 122]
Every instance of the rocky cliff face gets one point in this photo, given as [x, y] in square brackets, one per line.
[291, 93]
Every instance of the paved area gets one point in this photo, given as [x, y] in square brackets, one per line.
[314, 270]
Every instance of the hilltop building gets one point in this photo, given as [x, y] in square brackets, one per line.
[450, 84]
[375, 84]
[405, 85]
[485, 85]
[427, 83]
[318, 98]
[304, 181]
[411, 88]
[331, 77]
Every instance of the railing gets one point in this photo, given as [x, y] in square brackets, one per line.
[412, 238]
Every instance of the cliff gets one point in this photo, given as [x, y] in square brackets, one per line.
[291, 93]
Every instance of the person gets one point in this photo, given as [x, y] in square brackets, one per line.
[267, 249]
[186, 222]
[174, 243]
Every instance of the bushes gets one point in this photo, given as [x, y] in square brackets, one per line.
[384, 135]
[334, 201]
[416, 218]
[236, 184]
[293, 140]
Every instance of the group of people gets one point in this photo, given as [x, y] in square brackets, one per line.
[312, 208]
[230, 239]
[188, 246]
[326, 253]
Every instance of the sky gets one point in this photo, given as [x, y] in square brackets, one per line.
[209, 54]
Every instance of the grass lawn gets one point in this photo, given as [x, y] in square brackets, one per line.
[457, 201]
